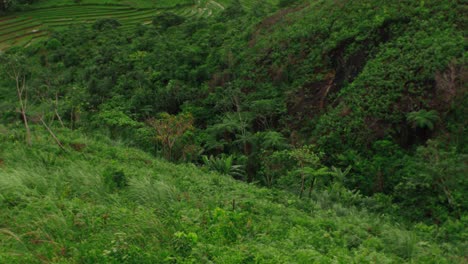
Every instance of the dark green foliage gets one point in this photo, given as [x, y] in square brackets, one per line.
[365, 83]
[285, 3]
[106, 24]
[434, 183]
[165, 20]
[423, 119]
[53, 44]
[233, 10]
[356, 102]
[114, 179]
[14, 5]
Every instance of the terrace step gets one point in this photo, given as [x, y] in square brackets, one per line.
[21, 29]
[37, 23]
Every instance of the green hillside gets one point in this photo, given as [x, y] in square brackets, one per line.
[38, 20]
[102, 202]
[234, 131]
[134, 4]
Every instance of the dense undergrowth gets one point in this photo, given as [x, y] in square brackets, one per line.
[102, 202]
[344, 123]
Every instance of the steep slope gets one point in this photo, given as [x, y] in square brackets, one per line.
[361, 102]
[102, 202]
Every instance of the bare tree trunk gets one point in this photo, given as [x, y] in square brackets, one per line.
[72, 118]
[56, 110]
[53, 135]
[312, 183]
[21, 91]
[28, 131]
[302, 183]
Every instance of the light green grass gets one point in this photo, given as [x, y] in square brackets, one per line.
[13, 38]
[58, 207]
[19, 28]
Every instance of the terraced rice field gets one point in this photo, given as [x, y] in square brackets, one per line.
[26, 27]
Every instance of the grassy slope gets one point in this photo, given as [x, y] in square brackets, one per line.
[56, 207]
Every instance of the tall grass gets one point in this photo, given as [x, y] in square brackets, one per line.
[66, 207]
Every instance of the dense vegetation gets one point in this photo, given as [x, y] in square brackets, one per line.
[31, 24]
[345, 117]
[102, 202]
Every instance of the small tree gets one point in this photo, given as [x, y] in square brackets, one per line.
[308, 163]
[116, 118]
[169, 129]
[275, 160]
[423, 119]
[15, 68]
[435, 183]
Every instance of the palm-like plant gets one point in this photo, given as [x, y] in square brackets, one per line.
[314, 175]
[273, 140]
[423, 118]
[224, 165]
[339, 174]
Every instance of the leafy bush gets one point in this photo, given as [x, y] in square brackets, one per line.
[435, 184]
[115, 179]
[166, 20]
[106, 24]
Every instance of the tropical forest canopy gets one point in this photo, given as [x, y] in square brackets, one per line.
[301, 131]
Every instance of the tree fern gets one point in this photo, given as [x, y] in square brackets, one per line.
[224, 165]
[339, 174]
[423, 118]
[273, 140]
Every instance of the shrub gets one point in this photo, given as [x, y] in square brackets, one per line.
[115, 179]
[166, 20]
[106, 24]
